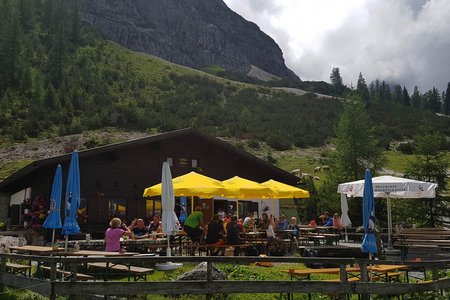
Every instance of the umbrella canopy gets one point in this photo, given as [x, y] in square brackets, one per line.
[369, 243]
[394, 187]
[54, 217]
[191, 184]
[241, 188]
[169, 218]
[72, 197]
[390, 187]
[282, 190]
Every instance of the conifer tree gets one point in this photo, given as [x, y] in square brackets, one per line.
[336, 82]
[397, 98]
[362, 90]
[446, 104]
[416, 98]
[406, 100]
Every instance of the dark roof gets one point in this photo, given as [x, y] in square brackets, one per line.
[118, 146]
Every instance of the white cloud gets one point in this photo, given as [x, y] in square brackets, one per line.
[406, 41]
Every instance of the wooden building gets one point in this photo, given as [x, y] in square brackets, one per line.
[113, 177]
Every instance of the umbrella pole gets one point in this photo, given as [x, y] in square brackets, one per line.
[346, 235]
[67, 241]
[53, 236]
[168, 250]
[389, 212]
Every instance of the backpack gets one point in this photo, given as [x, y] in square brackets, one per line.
[311, 253]
[276, 248]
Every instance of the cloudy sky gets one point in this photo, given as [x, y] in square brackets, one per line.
[405, 41]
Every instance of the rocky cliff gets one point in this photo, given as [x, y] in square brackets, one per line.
[194, 33]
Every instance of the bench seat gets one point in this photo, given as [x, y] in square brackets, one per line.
[137, 272]
[18, 268]
[80, 276]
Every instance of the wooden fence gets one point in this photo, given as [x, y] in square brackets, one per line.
[53, 287]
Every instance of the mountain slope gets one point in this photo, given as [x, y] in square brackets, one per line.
[194, 33]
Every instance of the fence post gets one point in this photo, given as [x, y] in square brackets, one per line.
[3, 264]
[208, 276]
[52, 280]
[364, 278]
[73, 272]
[343, 277]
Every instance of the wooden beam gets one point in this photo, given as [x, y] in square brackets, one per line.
[35, 285]
[227, 287]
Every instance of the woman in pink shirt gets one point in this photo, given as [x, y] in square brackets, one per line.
[114, 233]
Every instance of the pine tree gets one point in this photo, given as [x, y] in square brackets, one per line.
[397, 98]
[362, 90]
[336, 82]
[416, 98]
[446, 104]
[406, 100]
[356, 149]
[432, 100]
[430, 165]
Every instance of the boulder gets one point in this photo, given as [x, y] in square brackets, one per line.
[199, 273]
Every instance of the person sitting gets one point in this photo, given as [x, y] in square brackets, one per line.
[337, 221]
[155, 225]
[263, 221]
[312, 223]
[214, 235]
[194, 225]
[282, 223]
[294, 226]
[326, 219]
[138, 229]
[233, 230]
[249, 222]
[113, 234]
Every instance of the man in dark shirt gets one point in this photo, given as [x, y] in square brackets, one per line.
[214, 235]
[233, 230]
[139, 230]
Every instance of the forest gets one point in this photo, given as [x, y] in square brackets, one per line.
[59, 77]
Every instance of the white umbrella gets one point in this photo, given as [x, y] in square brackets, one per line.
[169, 218]
[390, 187]
[345, 219]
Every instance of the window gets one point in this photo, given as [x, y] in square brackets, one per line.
[152, 208]
[118, 207]
[194, 163]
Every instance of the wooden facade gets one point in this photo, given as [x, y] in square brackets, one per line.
[118, 174]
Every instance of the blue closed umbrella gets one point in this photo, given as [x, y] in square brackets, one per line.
[54, 216]
[72, 201]
[369, 243]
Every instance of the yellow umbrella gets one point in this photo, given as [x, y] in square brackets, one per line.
[282, 190]
[191, 184]
[240, 188]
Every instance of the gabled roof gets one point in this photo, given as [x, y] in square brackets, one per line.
[118, 146]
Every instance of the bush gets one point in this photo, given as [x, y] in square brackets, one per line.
[406, 148]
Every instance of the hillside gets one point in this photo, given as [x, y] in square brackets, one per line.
[59, 77]
[194, 33]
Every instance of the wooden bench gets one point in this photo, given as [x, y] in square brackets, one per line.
[64, 274]
[136, 272]
[18, 268]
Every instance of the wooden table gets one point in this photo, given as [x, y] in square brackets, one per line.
[95, 253]
[36, 249]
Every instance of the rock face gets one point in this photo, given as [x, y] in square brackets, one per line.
[194, 33]
[199, 273]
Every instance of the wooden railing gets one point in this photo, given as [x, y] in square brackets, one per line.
[53, 287]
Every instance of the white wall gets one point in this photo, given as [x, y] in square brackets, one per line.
[18, 197]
